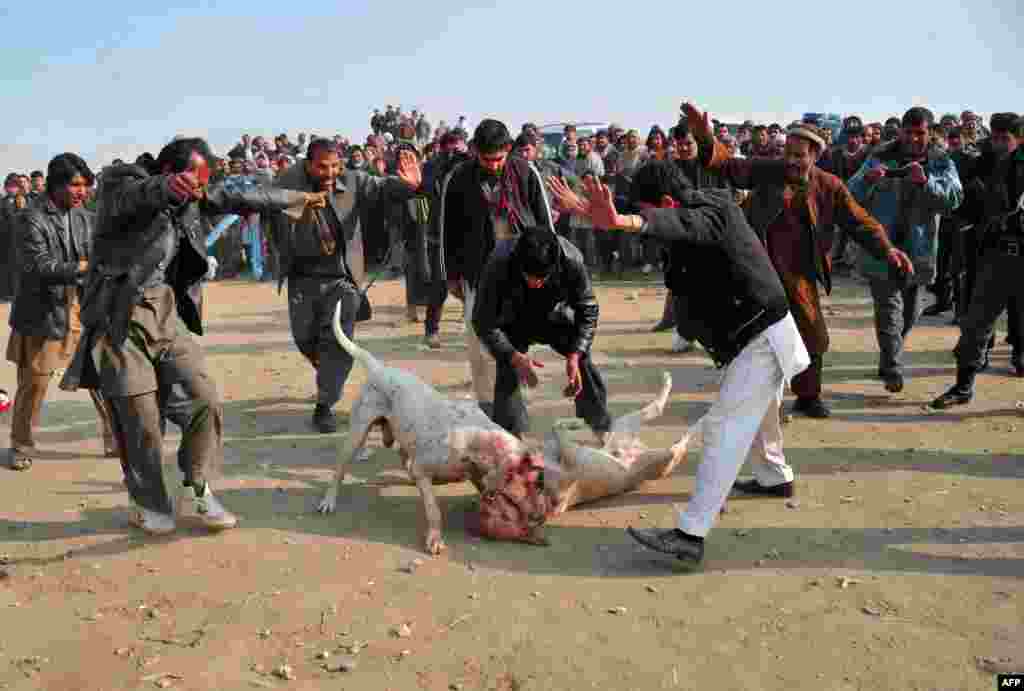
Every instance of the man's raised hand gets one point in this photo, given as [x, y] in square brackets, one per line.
[700, 123]
[602, 204]
[566, 199]
[409, 169]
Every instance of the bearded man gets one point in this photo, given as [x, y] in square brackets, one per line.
[792, 207]
[322, 258]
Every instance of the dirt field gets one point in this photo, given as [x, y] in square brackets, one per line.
[900, 564]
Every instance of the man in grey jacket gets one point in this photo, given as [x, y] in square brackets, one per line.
[137, 310]
[323, 260]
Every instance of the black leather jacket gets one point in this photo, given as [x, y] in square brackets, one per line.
[8, 267]
[502, 304]
[48, 267]
[467, 232]
[724, 275]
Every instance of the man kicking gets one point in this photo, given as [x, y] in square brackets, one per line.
[737, 310]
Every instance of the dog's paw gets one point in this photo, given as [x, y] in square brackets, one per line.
[434, 543]
[327, 504]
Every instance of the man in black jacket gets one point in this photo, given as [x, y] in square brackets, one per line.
[999, 286]
[8, 211]
[540, 294]
[149, 250]
[736, 308]
[52, 251]
[485, 203]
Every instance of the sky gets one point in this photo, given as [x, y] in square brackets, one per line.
[112, 78]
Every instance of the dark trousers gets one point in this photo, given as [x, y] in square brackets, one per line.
[966, 269]
[437, 293]
[188, 396]
[943, 285]
[509, 407]
[311, 304]
[1014, 308]
[432, 320]
[999, 282]
[807, 384]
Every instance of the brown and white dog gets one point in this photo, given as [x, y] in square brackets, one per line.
[572, 474]
[440, 441]
[443, 441]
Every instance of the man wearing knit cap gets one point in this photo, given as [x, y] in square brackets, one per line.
[793, 206]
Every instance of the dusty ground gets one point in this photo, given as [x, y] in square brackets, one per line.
[900, 565]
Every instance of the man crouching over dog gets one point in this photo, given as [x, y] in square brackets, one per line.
[540, 294]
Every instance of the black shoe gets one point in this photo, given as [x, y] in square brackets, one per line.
[812, 407]
[937, 309]
[663, 326]
[957, 395]
[893, 382]
[324, 419]
[784, 490]
[675, 542]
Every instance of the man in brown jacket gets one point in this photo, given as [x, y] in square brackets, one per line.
[792, 206]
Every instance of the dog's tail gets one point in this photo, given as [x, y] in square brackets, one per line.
[364, 357]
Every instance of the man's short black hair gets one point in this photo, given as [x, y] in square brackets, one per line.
[1005, 122]
[680, 131]
[319, 145]
[524, 140]
[491, 136]
[175, 156]
[451, 138]
[536, 251]
[147, 162]
[655, 179]
[917, 115]
[37, 174]
[63, 168]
